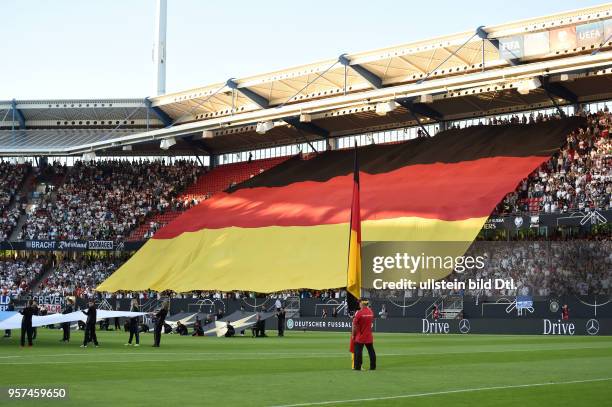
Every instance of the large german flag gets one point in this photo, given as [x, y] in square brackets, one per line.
[287, 227]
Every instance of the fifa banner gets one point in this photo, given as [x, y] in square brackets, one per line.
[288, 228]
[71, 245]
[518, 326]
[547, 42]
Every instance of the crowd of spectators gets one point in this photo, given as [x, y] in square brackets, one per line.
[543, 268]
[530, 118]
[538, 268]
[577, 178]
[11, 179]
[105, 200]
[16, 276]
[77, 277]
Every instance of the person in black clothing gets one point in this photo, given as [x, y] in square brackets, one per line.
[197, 328]
[181, 329]
[280, 314]
[104, 324]
[117, 322]
[230, 330]
[134, 331]
[159, 323]
[35, 311]
[219, 314]
[259, 329]
[26, 323]
[66, 325]
[9, 307]
[90, 325]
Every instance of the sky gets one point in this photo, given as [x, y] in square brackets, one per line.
[103, 48]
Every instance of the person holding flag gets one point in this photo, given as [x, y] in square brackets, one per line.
[361, 334]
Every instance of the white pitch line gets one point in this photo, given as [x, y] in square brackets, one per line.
[284, 355]
[136, 353]
[437, 393]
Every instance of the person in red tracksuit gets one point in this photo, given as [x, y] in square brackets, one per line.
[565, 313]
[362, 335]
[436, 313]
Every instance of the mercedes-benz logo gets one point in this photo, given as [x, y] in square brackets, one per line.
[592, 327]
[464, 326]
[289, 323]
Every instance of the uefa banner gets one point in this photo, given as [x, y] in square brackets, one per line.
[517, 326]
[546, 42]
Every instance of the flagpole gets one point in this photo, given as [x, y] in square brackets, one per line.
[353, 286]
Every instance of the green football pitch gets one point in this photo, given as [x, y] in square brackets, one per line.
[310, 369]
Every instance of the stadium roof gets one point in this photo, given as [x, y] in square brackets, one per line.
[550, 60]
[93, 113]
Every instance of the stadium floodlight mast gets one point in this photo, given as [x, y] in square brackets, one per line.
[159, 46]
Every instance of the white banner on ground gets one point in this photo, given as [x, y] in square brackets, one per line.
[14, 322]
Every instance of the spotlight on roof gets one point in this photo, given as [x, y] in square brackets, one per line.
[426, 99]
[383, 108]
[524, 87]
[264, 127]
[208, 134]
[89, 156]
[167, 143]
[127, 148]
[305, 118]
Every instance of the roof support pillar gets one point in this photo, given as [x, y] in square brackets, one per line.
[159, 113]
[374, 80]
[17, 115]
[254, 97]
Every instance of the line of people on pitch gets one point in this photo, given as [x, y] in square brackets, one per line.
[31, 309]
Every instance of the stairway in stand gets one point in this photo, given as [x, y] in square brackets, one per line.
[212, 182]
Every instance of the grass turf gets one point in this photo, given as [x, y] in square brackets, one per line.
[309, 367]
